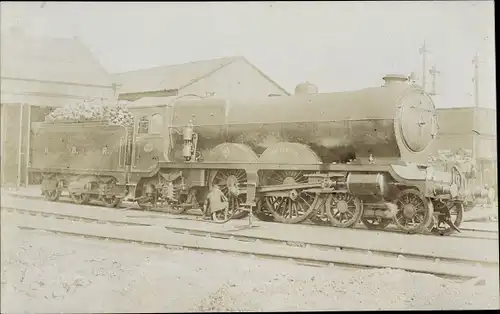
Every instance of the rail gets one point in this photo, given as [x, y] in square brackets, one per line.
[467, 233]
[257, 246]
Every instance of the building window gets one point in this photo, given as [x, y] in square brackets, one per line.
[143, 127]
[156, 123]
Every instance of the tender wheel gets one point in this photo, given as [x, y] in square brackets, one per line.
[414, 212]
[297, 205]
[374, 223]
[343, 210]
[110, 200]
[231, 183]
[80, 199]
[451, 211]
[55, 194]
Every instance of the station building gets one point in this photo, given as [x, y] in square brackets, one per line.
[39, 74]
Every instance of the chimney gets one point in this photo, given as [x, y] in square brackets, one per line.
[392, 79]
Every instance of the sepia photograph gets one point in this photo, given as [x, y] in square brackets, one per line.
[261, 156]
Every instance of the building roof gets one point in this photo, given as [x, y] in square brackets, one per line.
[175, 77]
[64, 60]
[159, 101]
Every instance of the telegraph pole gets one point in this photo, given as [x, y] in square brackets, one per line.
[434, 72]
[423, 51]
[475, 62]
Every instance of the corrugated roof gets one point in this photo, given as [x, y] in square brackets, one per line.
[174, 77]
[50, 59]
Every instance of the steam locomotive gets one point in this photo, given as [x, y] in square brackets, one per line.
[334, 158]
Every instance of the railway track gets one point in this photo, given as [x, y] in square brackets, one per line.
[469, 233]
[484, 234]
[311, 254]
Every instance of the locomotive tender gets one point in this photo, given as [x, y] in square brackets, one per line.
[327, 157]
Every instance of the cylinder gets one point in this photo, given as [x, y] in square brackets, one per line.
[367, 184]
[442, 189]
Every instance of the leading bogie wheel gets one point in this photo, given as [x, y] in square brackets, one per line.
[344, 210]
[414, 212]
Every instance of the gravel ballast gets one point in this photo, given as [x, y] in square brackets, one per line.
[44, 272]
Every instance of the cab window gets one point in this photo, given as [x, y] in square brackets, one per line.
[143, 127]
[156, 124]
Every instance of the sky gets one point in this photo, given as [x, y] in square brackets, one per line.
[337, 46]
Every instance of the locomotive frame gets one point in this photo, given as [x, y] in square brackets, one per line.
[288, 182]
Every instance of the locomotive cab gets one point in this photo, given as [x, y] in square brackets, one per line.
[154, 117]
[150, 135]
